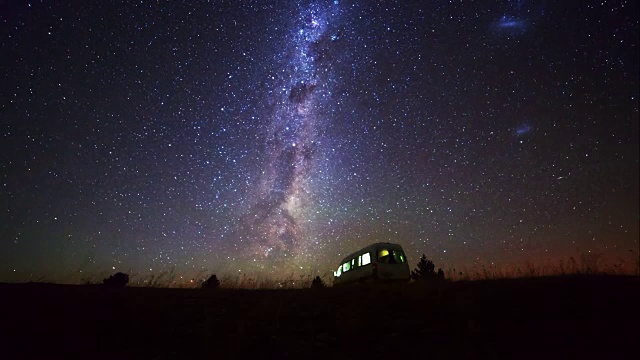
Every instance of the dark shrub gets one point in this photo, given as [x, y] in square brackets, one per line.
[426, 270]
[116, 280]
[317, 283]
[211, 283]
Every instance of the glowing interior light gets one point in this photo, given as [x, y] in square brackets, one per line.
[366, 259]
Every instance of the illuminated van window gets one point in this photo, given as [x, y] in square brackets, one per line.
[386, 256]
[345, 267]
[397, 257]
[339, 272]
[353, 263]
[360, 260]
[366, 259]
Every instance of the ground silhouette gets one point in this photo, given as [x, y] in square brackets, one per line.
[531, 318]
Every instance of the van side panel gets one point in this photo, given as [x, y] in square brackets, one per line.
[357, 273]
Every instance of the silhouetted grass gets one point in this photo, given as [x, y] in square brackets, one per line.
[590, 263]
[588, 316]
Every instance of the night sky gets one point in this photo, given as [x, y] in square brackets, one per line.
[275, 137]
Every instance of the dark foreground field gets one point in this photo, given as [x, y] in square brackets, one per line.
[584, 317]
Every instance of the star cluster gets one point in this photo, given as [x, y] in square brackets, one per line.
[274, 137]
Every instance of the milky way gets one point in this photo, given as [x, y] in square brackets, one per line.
[274, 226]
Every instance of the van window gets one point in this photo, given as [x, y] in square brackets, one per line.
[353, 263]
[384, 256]
[387, 256]
[366, 259]
[346, 266]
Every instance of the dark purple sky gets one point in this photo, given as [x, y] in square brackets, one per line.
[272, 138]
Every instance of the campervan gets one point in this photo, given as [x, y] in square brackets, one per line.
[376, 262]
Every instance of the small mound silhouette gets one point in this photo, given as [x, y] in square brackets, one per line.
[116, 280]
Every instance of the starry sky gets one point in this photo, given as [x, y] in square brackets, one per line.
[275, 137]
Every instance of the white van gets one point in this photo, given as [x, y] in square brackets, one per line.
[376, 262]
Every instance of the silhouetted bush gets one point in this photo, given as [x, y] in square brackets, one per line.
[425, 270]
[116, 280]
[211, 283]
[317, 283]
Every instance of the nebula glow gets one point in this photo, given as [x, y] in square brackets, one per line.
[275, 224]
[508, 22]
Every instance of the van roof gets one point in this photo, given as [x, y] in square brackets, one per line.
[369, 247]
